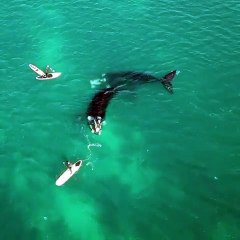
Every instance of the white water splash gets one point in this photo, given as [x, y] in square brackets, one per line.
[94, 145]
[90, 164]
[96, 82]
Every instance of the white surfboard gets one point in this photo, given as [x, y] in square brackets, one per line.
[50, 76]
[36, 70]
[66, 175]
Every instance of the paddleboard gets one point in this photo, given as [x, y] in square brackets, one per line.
[66, 175]
[36, 70]
[50, 76]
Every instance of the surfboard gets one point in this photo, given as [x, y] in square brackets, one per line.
[50, 76]
[66, 175]
[36, 70]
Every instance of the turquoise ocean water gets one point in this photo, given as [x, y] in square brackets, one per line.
[166, 167]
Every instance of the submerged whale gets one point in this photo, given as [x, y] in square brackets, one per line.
[133, 78]
[96, 111]
[97, 108]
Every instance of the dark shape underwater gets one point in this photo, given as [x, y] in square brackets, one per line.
[129, 79]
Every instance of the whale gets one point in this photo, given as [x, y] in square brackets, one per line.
[96, 111]
[119, 81]
[131, 78]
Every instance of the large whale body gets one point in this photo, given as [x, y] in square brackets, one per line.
[129, 79]
[118, 81]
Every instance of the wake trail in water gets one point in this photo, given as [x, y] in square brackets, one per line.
[89, 146]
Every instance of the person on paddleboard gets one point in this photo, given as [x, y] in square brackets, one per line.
[47, 75]
[68, 164]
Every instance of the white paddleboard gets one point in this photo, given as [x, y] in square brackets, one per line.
[36, 70]
[65, 176]
[50, 76]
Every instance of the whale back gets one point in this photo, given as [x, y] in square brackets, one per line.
[128, 79]
[100, 101]
[97, 108]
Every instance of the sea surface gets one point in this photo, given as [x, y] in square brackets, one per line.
[166, 167]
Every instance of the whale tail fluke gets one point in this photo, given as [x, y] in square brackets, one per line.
[169, 77]
[166, 81]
